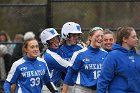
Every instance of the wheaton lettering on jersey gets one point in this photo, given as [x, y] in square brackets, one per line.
[93, 66]
[33, 73]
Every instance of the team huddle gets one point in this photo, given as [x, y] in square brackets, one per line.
[107, 63]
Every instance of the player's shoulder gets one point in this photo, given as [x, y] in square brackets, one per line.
[19, 62]
[101, 49]
[41, 60]
[81, 51]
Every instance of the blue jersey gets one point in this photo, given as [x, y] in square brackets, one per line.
[86, 68]
[121, 72]
[67, 51]
[55, 64]
[29, 75]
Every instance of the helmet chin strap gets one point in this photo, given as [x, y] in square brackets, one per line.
[46, 44]
[66, 37]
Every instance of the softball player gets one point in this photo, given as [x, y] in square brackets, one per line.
[52, 55]
[70, 34]
[30, 72]
[108, 40]
[87, 65]
[121, 69]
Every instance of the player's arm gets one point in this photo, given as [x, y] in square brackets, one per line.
[65, 88]
[7, 87]
[51, 87]
[48, 82]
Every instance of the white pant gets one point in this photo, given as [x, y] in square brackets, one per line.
[82, 89]
[45, 89]
[70, 89]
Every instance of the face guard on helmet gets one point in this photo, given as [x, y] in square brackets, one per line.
[70, 27]
[48, 34]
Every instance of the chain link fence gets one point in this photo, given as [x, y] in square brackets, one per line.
[21, 17]
[108, 14]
